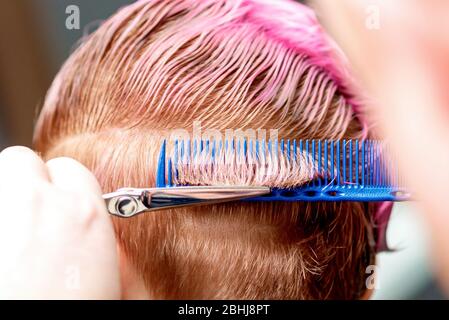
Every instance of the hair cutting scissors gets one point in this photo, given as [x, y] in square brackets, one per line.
[128, 202]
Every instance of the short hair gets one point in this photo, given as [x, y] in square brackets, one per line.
[159, 65]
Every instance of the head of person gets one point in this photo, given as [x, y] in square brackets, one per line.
[160, 65]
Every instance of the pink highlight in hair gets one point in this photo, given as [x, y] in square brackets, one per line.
[229, 63]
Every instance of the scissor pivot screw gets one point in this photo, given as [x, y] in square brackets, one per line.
[126, 206]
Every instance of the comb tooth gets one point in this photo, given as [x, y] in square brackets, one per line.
[374, 163]
[379, 172]
[213, 151]
[282, 147]
[392, 168]
[363, 159]
[372, 168]
[371, 164]
[195, 149]
[263, 150]
[312, 149]
[239, 149]
[379, 164]
[350, 163]
[368, 162]
[182, 150]
[326, 162]
[383, 164]
[250, 152]
[386, 158]
[176, 160]
[276, 148]
[338, 163]
[344, 162]
[288, 149]
[309, 158]
[313, 158]
[201, 146]
[242, 150]
[266, 149]
[269, 148]
[169, 174]
[257, 150]
[362, 166]
[188, 152]
[307, 153]
[225, 150]
[332, 163]
[357, 162]
[245, 147]
[303, 150]
[306, 148]
[294, 150]
[160, 174]
[206, 142]
[320, 161]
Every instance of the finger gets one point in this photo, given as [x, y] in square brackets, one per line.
[20, 167]
[70, 175]
[404, 66]
[79, 188]
[359, 30]
[387, 59]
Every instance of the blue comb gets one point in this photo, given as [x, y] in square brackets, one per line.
[346, 170]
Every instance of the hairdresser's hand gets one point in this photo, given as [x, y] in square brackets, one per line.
[400, 51]
[56, 239]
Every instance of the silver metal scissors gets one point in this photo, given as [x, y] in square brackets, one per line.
[128, 202]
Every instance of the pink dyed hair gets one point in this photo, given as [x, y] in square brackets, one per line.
[291, 46]
[158, 65]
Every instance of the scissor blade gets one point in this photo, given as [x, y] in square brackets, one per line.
[187, 196]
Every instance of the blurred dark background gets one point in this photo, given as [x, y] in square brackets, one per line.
[34, 42]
